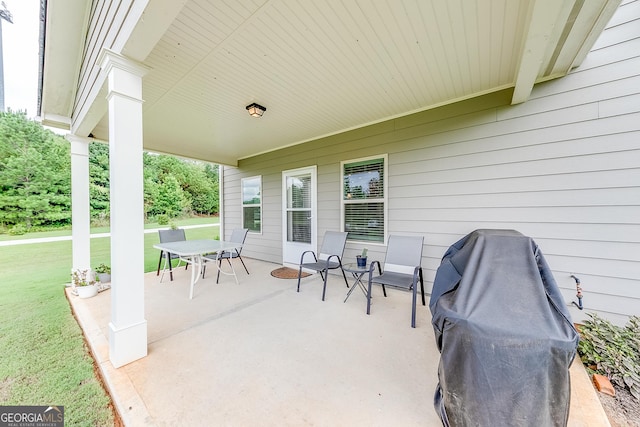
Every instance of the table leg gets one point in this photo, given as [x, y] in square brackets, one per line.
[196, 268]
[357, 283]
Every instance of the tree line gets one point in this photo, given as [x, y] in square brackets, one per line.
[35, 180]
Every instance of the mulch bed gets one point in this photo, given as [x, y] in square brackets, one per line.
[622, 410]
[287, 273]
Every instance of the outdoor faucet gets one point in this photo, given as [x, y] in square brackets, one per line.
[579, 293]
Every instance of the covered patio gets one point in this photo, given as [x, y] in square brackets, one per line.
[426, 89]
[259, 353]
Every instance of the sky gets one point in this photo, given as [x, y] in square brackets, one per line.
[20, 54]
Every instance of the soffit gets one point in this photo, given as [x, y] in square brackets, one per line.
[327, 66]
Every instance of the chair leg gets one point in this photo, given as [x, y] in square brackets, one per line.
[159, 262]
[245, 267]
[219, 267]
[299, 275]
[344, 275]
[422, 287]
[167, 260]
[413, 305]
[369, 298]
[324, 287]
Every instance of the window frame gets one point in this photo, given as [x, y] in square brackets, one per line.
[251, 205]
[384, 199]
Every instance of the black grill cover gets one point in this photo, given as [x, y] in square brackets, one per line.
[504, 333]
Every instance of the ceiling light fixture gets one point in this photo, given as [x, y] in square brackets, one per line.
[256, 110]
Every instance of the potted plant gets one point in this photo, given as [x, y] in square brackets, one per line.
[104, 273]
[362, 258]
[84, 283]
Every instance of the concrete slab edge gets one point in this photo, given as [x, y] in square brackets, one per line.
[585, 400]
[126, 399]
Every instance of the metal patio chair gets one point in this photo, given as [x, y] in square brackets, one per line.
[166, 236]
[402, 269]
[238, 235]
[329, 258]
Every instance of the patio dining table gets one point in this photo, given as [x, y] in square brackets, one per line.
[193, 251]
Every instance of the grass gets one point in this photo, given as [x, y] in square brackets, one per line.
[67, 231]
[43, 357]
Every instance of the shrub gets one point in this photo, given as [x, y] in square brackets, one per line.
[162, 219]
[612, 351]
[17, 230]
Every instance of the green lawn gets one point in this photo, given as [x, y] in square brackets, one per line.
[67, 231]
[43, 358]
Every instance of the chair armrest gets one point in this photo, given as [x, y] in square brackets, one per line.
[328, 260]
[416, 273]
[306, 252]
[371, 268]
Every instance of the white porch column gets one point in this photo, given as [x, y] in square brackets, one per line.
[80, 214]
[128, 326]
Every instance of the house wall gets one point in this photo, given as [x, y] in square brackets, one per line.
[563, 168]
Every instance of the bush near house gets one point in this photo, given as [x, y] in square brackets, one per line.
[612, 351]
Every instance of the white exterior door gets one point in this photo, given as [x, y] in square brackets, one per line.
[299, 219]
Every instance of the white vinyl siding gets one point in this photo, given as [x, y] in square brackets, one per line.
[106, 18]
[563, 168]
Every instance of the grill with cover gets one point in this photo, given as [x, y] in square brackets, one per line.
[504, 333]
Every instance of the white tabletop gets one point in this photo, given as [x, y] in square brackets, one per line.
[187, 248]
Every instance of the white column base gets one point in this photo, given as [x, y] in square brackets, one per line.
[127, 344]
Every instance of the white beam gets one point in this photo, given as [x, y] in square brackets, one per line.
[146, 23]
[607, 11]
[545, 27]
[128, 327]
[91, 112]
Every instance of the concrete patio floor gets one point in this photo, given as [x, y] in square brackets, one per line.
[258, 353]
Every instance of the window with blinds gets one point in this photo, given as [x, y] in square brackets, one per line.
[364, 198]
[252, 203]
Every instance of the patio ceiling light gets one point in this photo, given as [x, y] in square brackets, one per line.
[256, 110]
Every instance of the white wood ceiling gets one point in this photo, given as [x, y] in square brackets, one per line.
[325, 66]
